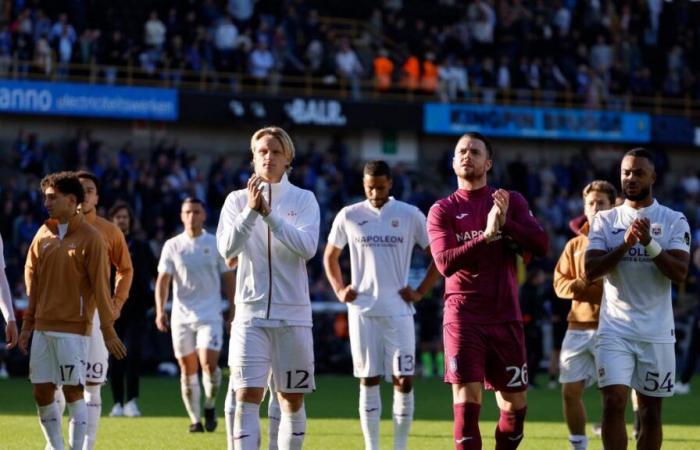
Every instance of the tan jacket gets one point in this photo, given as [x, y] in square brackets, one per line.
[118, 252]
[569, 285]
[67, 279]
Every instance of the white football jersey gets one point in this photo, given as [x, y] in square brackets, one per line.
[636, 295]
[196, 267]
[381, 242]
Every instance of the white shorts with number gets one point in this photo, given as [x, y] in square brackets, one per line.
[647, 367]
[577, 357]
[383, 345]
[97, 355]
[57, 358]
[188, 337]
[287, 352]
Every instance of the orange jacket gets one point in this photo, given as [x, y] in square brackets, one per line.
[383, 69]
[429, 80]
[118, 252]
[411, 73]
[67, 279]
[568, 284]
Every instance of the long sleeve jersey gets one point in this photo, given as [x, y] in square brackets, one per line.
[585, 305]
[67, 279]
[271, 280]
[481, 285]
[118, 252]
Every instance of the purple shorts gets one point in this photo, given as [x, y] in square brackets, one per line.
[493, 354]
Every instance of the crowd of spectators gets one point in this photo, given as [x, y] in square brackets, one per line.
[601, 51]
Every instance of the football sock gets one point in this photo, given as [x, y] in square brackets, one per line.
[60, 400]
[402, 413]
[509, 431]
[274, 416]
[292, 429]
[466, 427]
[93, 402]
[50, 421]
[578, 442]
[230, 412]
[370, 414]
[189, 385]
[246, 426]
[211, 383]
[77, 424]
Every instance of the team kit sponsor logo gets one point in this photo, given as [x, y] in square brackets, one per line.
[379, 240]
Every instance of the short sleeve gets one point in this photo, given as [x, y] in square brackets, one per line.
[596, 234]
[166, 263]
[338, 236]
[420, 230]
[680, 235]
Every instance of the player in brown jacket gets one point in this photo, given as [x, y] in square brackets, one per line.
[577, 361]
[67, 278]
[120, 259]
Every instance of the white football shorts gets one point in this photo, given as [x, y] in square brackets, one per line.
[57, 358]
[188, 337]
[577, 357]
[382, 345]
[647, 367]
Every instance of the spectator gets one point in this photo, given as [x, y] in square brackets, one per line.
[348, 67]
[383, 70]
[261, 62]
[154, 31]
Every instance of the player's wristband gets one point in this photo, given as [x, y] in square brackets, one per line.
[653, 249]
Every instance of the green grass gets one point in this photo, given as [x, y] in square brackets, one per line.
[333, 423]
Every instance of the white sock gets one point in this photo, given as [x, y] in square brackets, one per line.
[370, 414]
[402, 413]
[230, 412]
[292, 429]
[191, 394]
[60, 400]
[246, 426]
[78, 424]
[50, 421]
[273, 419]
[211, 383]
[578, 441]
[93, 401]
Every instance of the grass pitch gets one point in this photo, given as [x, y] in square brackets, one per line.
[333, 422]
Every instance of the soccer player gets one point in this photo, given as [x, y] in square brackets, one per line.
[118, 253]
[381, 233]
[577, 358]
[67, 278]
[475, 234]
[639, 247]
[6, 303]
[131, 324]
[191, 262]
[272, 227]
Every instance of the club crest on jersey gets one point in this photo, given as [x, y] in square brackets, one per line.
[395, 223]
[657, 230]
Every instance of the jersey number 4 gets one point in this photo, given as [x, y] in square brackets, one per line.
[301, 377]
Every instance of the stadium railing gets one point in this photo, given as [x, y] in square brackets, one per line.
[211, 80]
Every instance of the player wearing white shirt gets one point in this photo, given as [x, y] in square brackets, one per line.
[6, 305]
[381, 233]
[640, 247]
[272, 227]
[197, 270]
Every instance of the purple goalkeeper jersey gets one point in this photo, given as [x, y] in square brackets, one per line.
[480, 277]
